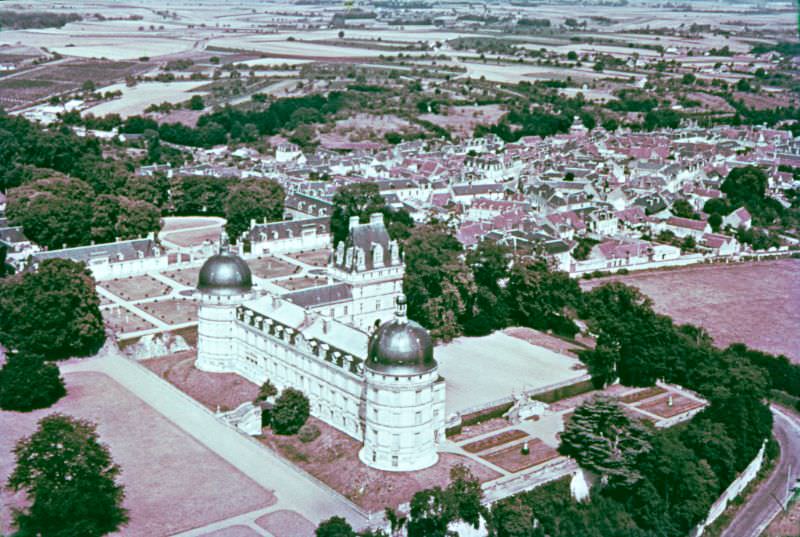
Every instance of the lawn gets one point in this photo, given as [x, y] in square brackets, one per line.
[172, 482]
[512, 459]
[136, 288]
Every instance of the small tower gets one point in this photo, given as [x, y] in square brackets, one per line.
[224, 283]
[404, 397]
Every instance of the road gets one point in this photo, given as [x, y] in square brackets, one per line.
[753, 517]
[293, 489]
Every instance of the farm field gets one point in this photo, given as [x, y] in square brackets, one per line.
[136, 99]
[756, 303]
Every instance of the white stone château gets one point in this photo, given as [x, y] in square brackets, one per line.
[382, 389]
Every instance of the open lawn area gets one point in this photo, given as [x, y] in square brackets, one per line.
[284, 523]
[172, 482]
[197, 237]
[333, 459]
[136, 288]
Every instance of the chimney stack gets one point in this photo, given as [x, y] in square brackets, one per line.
[354, 221]
[376, 218]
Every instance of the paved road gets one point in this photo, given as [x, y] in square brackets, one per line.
[755, 515]
[293, 489]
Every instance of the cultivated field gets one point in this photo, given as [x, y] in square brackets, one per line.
[754, 303]
[136, 99]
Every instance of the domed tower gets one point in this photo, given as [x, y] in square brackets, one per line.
[404, 397]
[224, 282]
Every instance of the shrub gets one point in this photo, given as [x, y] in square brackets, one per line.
[308, 433]
[290, 412]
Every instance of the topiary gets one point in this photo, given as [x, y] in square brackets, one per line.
[290, 412]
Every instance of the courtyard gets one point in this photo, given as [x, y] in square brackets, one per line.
[479, 370]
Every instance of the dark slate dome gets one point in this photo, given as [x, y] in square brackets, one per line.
[225, 274]
[401, 346]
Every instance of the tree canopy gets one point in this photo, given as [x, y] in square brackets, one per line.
[54, 311]
[252, 200]
[290, 412]
[72, 489]
[27, 382]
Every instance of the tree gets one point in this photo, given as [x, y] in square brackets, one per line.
[290, 412]
[357, 199]
[54, 212]
[72, 489]
[745, 185]
[196, 103]
[252, 200]
[429, 514]
[335, 527]
[266, 391]
[602, 439]
[540, 297]
[54, 311]
[489, 265]
[683, 209]
[464, 494]
[27, 382]
[512, 518]
[715, 221]
[437, 282]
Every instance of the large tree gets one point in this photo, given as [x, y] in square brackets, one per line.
[252, 200]
[541, 297]
[53, 212]
[70, 480]
[54, 311]
[357, 199]
[605, 441]
[437, 282]
[28, 382]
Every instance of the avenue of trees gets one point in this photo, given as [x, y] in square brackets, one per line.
[72, 490]
[47, 315]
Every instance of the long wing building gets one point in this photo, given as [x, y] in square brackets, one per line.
[368, 371]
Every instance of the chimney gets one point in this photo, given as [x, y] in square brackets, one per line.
[325, 325]
[354, 221]
[376, 218]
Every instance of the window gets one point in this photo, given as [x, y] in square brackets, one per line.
[395, 441]
[394, 460]
[374, 456]
[418, 418]
[377, 305]
[345, 310]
